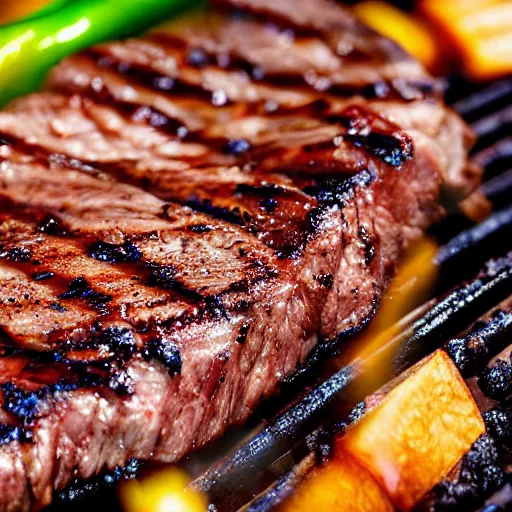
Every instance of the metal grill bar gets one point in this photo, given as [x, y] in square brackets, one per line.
[497, 92]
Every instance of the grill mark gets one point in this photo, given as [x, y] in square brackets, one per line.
[137, 112]
[79, 288]
[392, 147]
[164, 276]
[286, 24]
[390, 144]
[112, 253]
[218, 213]
[234, 61]
[165, 352]
[331, 192]
[146, 76]
[127, 257]
[207, 307]
[151, 116]
[9, 433]
[289, 244]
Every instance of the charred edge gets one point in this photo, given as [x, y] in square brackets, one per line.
[472, 352]
[9, 434]
[80, 489]
[111, 253]
[327, 349]
[52, 226]
[480, 475]
[215, 307]
[79, 289]
[42, 276]
[16, 254]
[216, 212]
[200, 228]
[267, 192]
[244, 331]
[115, 339]
[120, 380]
[164, 276]
[325, 280]
[335, 192]
[369, 131]
[149, 78]
[118, 339]
[57, 306]
[165, 352]
[25, 405]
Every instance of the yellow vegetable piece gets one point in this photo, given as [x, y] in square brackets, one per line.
[408, 31]
[417, 431]
[340, 486]
[165, 491]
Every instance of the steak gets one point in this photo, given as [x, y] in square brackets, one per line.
[186, 216]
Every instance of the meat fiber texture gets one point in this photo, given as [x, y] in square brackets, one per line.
[186, 216]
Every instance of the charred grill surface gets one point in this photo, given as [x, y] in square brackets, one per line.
[184, 217]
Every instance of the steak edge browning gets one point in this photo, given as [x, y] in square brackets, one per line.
[184, 217]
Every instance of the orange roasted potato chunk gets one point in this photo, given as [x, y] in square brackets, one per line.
[418, 431]
[342, 485]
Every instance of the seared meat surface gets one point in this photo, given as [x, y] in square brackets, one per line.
[184, 217]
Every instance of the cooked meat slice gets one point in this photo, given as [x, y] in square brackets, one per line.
[184, 217]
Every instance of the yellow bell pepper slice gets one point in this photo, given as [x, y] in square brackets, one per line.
[407, 30]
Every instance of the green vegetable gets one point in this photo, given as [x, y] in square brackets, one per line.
[30, 47]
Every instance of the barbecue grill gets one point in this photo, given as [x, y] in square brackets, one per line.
[470, 315]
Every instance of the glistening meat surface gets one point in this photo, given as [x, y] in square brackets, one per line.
[184, 217]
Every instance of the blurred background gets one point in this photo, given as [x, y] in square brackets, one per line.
[468, 37]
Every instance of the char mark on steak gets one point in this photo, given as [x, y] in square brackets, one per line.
[184, 217]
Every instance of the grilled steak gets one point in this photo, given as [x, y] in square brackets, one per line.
[184, 217]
